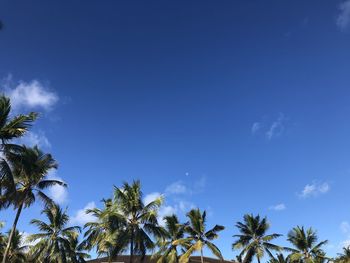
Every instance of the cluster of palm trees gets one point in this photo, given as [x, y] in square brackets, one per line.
[125, 223]
[255, 243]
[23, 177]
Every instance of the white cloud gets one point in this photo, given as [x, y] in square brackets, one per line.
[345, 243]
[314, 189]
[180, 208]
[278, 207]
[165, 211]
[343, 19]
[57, 192]
[31, 139]
[277, 127]
[25, 241]
[256, 127]
[175, 205]
[345, 227]
[30, 95]
[179, 187]
[151, 197]
[176, 188]
[81, 217]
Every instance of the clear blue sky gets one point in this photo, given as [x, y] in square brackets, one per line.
[232, 106]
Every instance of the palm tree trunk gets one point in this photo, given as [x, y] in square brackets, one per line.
[131, 246]
[258, 259]
[13, 230]
[202, 260]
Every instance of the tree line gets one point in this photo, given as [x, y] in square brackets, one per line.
[124, 224]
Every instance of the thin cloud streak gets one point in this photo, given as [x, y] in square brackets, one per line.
[277, 127]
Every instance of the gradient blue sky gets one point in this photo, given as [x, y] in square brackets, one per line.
[232, 106]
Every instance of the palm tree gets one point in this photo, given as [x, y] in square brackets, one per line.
[174, 238]
[15, 127]
[280, 258]
[140, 220]
[17, 252]
[77, 253]
[306, 248]
[322, 258]
[10, 128]
[253, 239]
[54, 240]
[345, 256]
[102, 233]
[29, 167]
[199, 237]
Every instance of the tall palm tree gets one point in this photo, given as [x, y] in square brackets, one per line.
[199, 237]
[345, 256]
[103, 232]
[18, 251]
[253, 239]
[29, 167]
[53, 241]
[140, 220]
[174, 238]
[11, 128]
[306, 248]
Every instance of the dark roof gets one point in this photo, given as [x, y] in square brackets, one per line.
[147, 259]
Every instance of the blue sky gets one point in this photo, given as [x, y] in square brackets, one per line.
[232, 106]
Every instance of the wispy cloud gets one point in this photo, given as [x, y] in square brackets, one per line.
[185, 206]
[277, 127]
[345, 227]
[33, 94]
[182, 188]
[270, 129]
[256, 127]
[314, 189]
[343, 18]
[200, 184]
[81, 217]
[176, 188]
[33, 138]
[278, 207]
